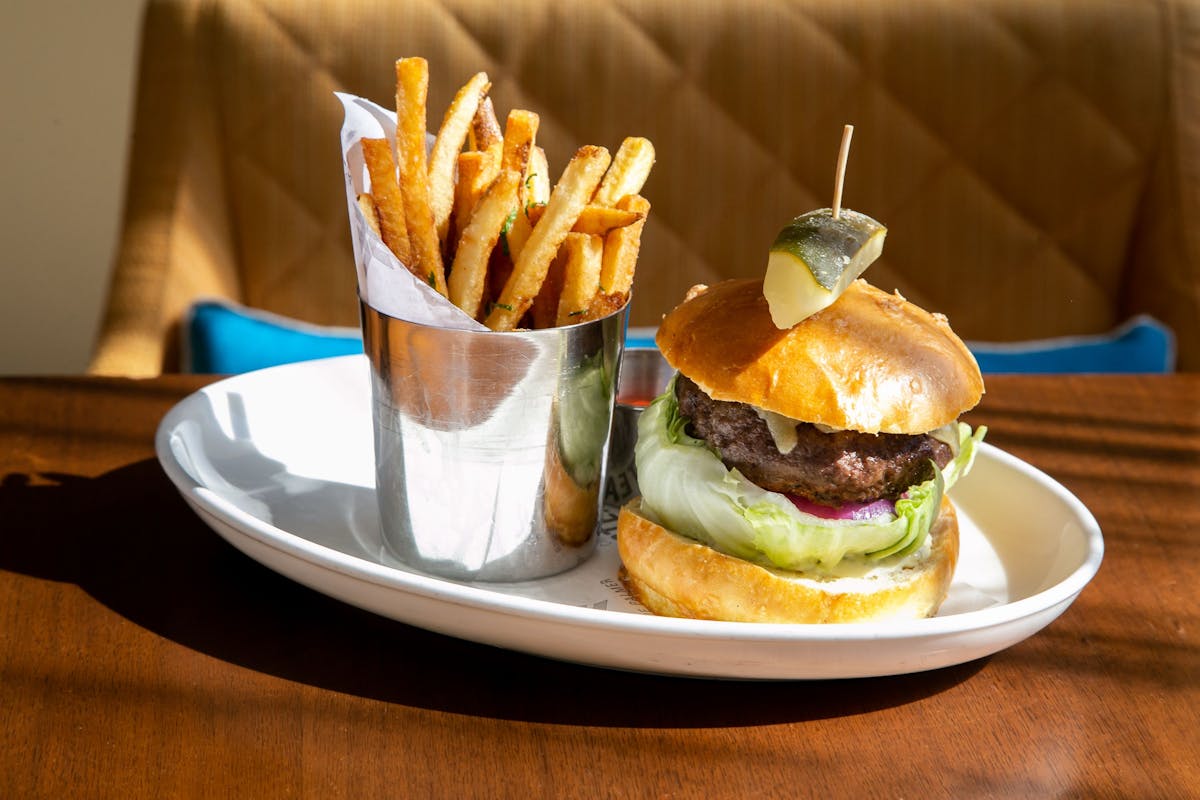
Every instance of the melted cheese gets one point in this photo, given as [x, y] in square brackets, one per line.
[783, 429]
[949, 434]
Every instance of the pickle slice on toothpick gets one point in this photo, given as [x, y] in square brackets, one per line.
[818, 254]
[813, 260]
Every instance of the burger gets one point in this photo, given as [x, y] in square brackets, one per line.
[800, 474]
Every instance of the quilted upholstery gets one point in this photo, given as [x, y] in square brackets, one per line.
[1037, 161]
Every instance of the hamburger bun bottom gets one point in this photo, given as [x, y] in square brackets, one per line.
[674, 576]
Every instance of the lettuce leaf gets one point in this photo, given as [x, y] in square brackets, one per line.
[687, 488]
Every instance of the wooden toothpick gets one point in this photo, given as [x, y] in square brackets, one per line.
[840, 175]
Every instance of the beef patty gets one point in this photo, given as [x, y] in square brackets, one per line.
[830, 468]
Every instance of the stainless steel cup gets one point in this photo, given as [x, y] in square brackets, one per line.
[491, 448]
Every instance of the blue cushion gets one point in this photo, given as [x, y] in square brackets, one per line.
[1140, 345]
[640, 337]
[226, 338]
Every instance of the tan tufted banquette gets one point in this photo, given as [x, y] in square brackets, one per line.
[1037, 161]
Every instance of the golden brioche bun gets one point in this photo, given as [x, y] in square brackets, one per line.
[871, 362]
[675, 576]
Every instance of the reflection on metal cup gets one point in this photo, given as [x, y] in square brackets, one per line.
[491, 448]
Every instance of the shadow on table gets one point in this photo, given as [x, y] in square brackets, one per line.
[130, 541]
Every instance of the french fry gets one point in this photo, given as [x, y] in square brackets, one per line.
[487, 137]
[604, 304]
[456, 124]
[581, 276]
[630, 168]
[485, 128]
[520, 133]
[538, 179]
[535, 193]
[475, 174]
[366, 204]
[594, 219]
[388, 201]
[575, 187]
[598, 220]
[519, 230]
[469, 271]
[412, 88]
[621, 248]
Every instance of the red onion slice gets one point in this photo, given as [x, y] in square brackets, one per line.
[867, 510]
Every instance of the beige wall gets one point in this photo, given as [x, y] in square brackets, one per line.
[69, 69]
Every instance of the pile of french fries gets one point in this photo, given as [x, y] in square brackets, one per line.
[480, 221]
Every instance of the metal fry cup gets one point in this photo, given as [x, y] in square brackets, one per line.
[491, 448]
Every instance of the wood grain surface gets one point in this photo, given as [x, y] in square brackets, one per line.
[142, 656]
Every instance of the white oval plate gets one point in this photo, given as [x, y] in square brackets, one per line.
[280, 463]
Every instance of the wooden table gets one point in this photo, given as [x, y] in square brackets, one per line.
[140, 655]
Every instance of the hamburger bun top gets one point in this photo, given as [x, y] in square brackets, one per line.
[871, 362]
